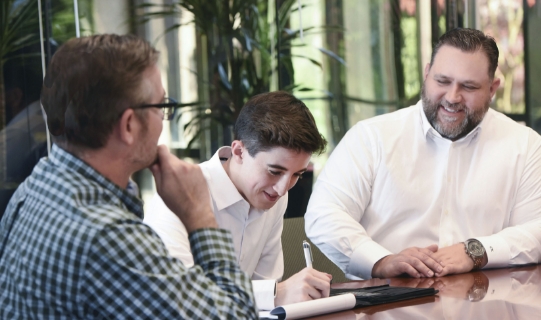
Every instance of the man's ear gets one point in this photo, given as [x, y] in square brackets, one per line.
[127, 126]
[237, 151]
[427, 70]
[494, 86]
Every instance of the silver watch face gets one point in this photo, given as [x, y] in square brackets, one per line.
[476, 248]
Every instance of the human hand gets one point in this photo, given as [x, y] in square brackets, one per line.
[455, 259]
[307, 284]
[184, 190]
[414, 261]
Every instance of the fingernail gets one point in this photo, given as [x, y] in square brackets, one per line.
[430, 274]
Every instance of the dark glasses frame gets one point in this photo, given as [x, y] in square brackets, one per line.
[168, 105]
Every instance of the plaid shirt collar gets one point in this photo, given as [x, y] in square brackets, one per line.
[65, 160]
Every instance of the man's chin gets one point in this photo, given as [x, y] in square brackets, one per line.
[155, 161]
[262, 205]
[144, 163]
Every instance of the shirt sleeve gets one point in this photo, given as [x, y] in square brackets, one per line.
[264, 292]
[271, 263]
[129, 274]
[339, 199]
[170, 229]
[520, 242]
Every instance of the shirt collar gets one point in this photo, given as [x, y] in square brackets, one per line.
[223, 191]
[63, 159]
[428, 130]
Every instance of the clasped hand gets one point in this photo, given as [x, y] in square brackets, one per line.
[424, 262]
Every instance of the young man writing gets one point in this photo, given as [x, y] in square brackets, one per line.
[275, 136]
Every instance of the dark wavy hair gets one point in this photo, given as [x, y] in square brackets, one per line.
[470, 40]
[278, 119]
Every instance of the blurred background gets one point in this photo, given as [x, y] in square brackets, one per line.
[348, 60]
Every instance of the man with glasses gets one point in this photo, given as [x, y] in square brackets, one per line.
[72, 241]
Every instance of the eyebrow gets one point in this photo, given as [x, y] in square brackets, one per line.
[277, 166]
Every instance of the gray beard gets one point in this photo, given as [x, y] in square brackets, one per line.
[455, 132]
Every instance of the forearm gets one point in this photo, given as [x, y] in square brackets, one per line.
[231, 292]
[155, 285]
[513, 246]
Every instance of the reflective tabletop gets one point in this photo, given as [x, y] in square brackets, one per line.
[509, 293]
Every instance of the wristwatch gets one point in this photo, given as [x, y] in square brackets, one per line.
[476, 251]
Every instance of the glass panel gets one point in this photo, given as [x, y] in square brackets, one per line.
[370, 49]
[23, 138]
[503, 20]
[532, 23]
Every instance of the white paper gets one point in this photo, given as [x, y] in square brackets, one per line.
[317, 307]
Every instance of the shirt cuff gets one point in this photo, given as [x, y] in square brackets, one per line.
[211, 244]
[364, 257]
[497, 250]
[264, 292]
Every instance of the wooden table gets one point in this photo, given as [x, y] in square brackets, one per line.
[509, 293]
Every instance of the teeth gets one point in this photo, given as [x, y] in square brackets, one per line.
[449, 110]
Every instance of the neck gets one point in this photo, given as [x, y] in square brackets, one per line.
[231, 172]
[109, 165]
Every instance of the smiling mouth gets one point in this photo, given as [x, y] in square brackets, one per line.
[271, 198]
[450, 110]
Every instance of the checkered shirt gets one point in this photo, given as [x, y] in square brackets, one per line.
[73, 246]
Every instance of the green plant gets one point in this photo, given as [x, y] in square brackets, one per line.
[247, 45]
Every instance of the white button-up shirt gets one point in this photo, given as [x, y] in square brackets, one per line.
[393, 182]
[256, 233]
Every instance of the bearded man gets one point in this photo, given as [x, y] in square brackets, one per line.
[446, 186]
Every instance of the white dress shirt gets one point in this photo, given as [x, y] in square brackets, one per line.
[393, 182]
[256, 233]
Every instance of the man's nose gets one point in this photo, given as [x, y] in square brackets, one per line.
[282, 186]
[453, 94]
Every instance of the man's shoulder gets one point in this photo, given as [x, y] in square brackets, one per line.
[74, 196]
[397, 125]
[499, 125]
[404, 116]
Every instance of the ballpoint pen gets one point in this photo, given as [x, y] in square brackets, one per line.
[307, 253]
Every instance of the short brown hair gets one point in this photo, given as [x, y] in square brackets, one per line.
[278, 119]
[470, 40]
[90, 82]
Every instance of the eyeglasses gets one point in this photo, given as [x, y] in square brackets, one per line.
[168, 107]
